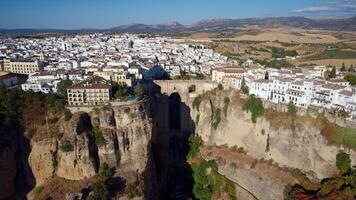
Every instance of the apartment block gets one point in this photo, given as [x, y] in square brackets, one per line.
[90, 92]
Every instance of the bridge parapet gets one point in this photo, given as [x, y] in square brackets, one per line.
[182, 86]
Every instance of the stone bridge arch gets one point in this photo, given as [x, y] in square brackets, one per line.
[174, 103]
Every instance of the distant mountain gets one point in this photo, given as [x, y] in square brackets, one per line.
[143, 28]
[335, 24]
[347, 24]
[233, 24]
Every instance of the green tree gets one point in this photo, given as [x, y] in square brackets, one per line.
[220, 86]
[62, 87]
[122, 92]
[343, 68]
[292, 110]
[333, 72]
[343, 162]
[244, 87]
[351, 78]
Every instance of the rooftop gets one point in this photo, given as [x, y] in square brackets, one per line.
[94, 82]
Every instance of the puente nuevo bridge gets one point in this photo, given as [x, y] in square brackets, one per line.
[181, 87]
[173, 103]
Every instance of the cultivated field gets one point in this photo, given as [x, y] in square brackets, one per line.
[314, 46]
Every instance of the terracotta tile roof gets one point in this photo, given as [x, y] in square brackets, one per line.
[94, 82]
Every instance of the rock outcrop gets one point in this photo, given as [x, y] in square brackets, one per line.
[119, 136]
[43, 152]
[303, 147]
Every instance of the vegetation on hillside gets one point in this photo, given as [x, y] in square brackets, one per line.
[282, 53]
[232, 56]
[292, 111]
[98, 136]
[226, 105]
[194, 141]
[196, 103]
[277, 64]
[208, 183]
[30, 109]
[342, 186]
[101, 188]
[135, 189]
[189, 76]
[333, 54]
[217, 118]
[255, 106]
[337, 135]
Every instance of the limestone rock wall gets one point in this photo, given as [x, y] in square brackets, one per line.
[305, 148]
[43, 152]
[78, 163]
[76, 155]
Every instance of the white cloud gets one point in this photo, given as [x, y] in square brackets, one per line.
[313, 9]
[336, 7]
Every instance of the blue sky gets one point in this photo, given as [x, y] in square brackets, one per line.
[71, 14]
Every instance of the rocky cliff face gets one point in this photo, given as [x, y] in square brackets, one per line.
[303, 147]
[118, 136]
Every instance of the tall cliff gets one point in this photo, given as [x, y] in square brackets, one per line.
[271, 138]
[73, 150]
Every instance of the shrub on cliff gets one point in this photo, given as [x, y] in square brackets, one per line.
[192, 88]
[105, 171]
[343, 162]
[226, 105]
[196, 102]
[135, 189]
[67, 115]
[66, 146]
[98, 136]
[342, 186]
[100, 190]
[255, 106]
[217, 118]
[194, 143]
[138, 90]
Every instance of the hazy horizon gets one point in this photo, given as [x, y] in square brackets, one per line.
[95, 14]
